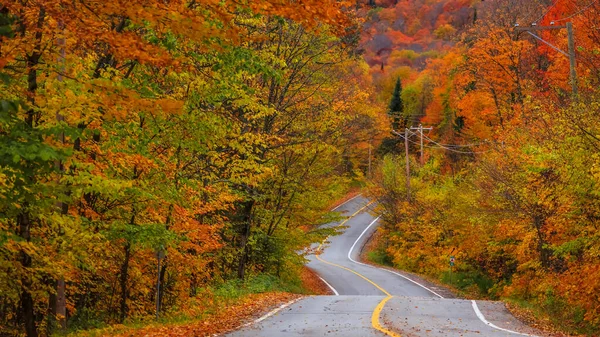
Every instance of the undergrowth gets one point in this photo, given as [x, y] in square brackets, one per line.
[208, 301]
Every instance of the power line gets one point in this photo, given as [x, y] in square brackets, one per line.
[463, 145]
[442, 146]
[454, 150]
[578, 12]
[547, 11]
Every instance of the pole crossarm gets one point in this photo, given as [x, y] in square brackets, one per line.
[535, 28]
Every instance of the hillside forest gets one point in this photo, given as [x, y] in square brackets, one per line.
[201, 144]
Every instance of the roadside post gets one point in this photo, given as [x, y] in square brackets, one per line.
[452, 261]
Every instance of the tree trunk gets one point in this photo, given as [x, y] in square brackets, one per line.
[123, 282]
[27, 309]
[245, 234]
[23, 219]
[538, 222]
[163, 285]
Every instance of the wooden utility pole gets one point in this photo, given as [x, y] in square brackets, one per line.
[369, 170]
[572, 59]
[406, 131]
[421, 134]
[420, 129]
[570, 54]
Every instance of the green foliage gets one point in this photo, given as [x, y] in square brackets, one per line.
[379, 256]
[396, 104]
[467, 281]
[6, 21]
[261, 283]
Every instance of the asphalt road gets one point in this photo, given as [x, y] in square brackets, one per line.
[372, 301]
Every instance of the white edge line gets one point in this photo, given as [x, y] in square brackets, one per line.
[330, 287]
[345, 202]
[482, 318]
[272, 312]
[389, 271]
[338, 206]
[322, 242]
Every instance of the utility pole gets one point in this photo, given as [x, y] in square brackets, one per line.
[421, 134]
[572, 59]
[369, 169]
[406, 131]
[571, 45]
[420, 129]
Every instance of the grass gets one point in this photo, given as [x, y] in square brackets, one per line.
[552, 313]
[469, 282]
[379, 256]
[261, 283]
[556, 311]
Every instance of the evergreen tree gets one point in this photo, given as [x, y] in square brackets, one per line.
[396, 107]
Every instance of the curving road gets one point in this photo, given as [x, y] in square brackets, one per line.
[371, 301]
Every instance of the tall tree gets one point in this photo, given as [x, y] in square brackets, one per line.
[396, 108]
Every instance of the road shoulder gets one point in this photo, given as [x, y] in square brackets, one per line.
[443, 290]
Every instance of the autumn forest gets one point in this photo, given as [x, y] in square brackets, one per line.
[200, 145]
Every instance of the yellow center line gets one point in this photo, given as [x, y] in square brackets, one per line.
[379, 308]
[375, 318]
[356, 273]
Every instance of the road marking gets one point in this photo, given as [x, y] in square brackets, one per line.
[377, 311]
[356, 273]
[389, 271]
[359, 237]
[482, 318]
[348, 269]
[272, 312]
[375, 318]
[345, 202]
[343, 223]
[330, 287]
[354, 214]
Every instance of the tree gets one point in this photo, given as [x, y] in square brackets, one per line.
[396, 108]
